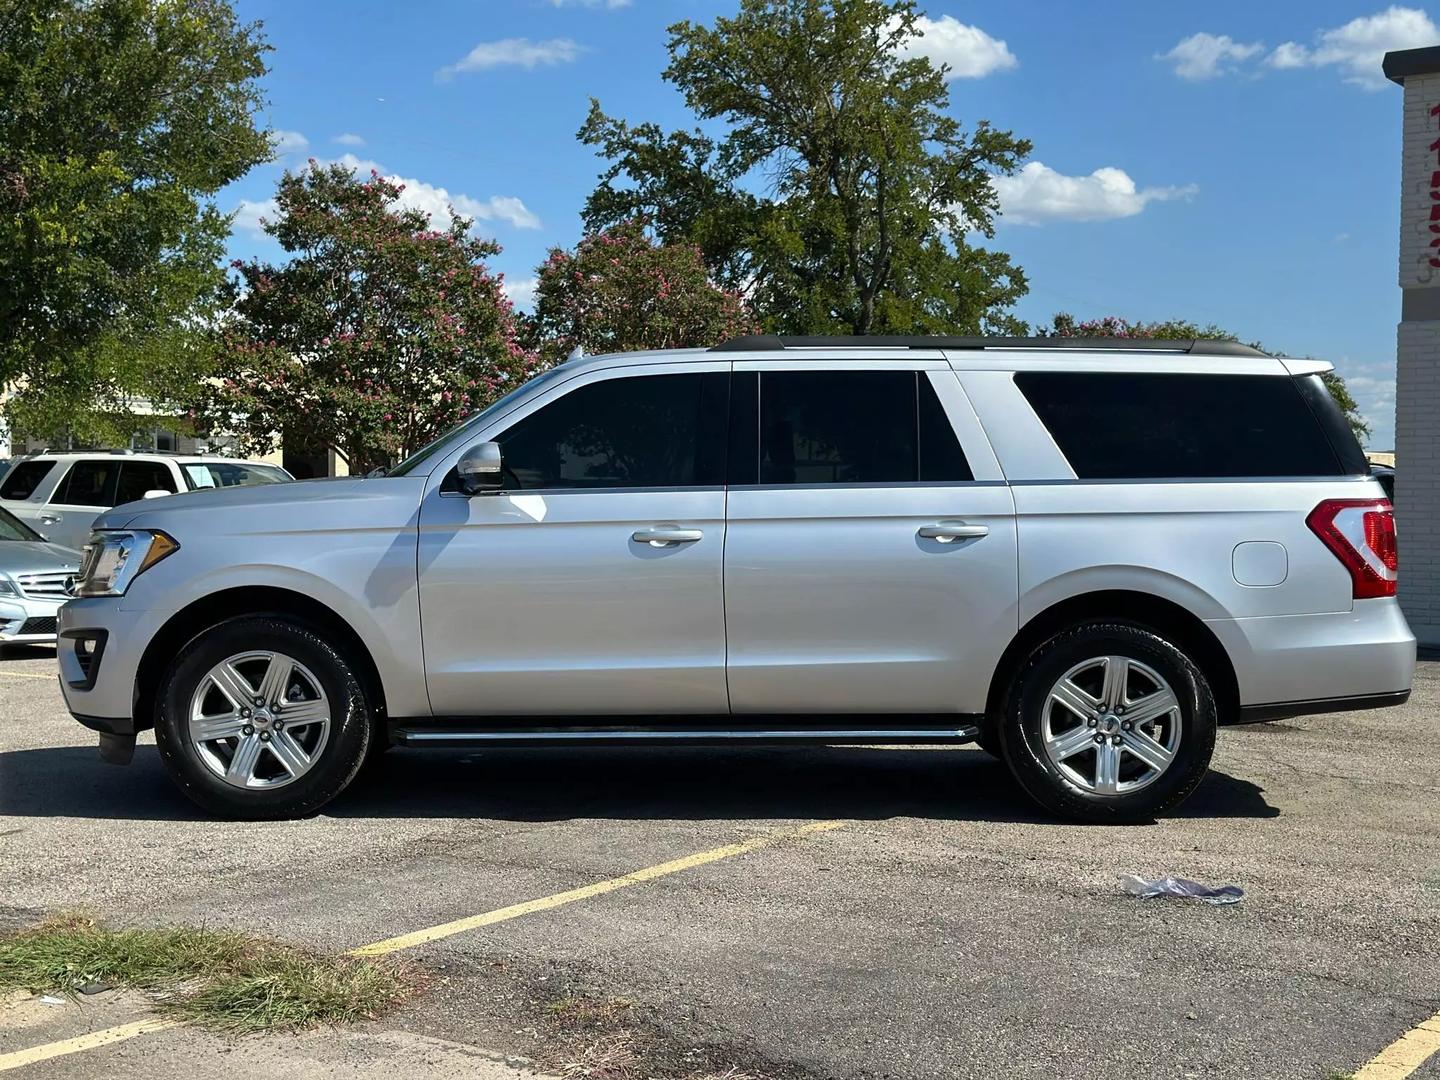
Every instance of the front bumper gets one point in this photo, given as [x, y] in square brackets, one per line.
[26, 621]
[100, 689]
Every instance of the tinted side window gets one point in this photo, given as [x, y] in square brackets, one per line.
[850, 427]
[87, 485]
[650, 431]
[1156, 425]
[941, 458]
[22, 479]
[138, 477]
[837, 427]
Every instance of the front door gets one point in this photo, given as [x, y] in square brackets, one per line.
[592, 583]
[870, 560]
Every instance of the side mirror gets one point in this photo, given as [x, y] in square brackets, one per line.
[479, 469]
[155, 493]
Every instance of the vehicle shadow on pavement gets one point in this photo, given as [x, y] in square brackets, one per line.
[557, 784]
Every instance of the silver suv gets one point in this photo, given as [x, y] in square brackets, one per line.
[1083, 555]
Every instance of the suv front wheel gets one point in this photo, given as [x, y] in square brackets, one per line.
[1109, 722]
[262, 718]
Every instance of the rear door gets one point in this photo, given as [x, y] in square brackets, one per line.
[87, 489]
[870, 560]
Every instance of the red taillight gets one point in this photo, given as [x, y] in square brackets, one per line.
[1361, 533]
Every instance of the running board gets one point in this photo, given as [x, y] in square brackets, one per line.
[456, 734]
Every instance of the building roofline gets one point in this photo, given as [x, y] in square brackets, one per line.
[1404, 62]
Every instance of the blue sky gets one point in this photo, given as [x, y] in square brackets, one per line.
[1235, 163]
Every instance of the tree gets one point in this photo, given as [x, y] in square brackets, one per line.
[378, 334]
[119, 121]
[873, 187]
[620, 291]
[1066, 325]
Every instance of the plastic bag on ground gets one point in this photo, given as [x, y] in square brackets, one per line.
[1181, 887]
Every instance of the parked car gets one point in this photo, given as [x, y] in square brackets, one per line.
[35, 579]
[1083, 554]
[59, 495]
[1385, 474]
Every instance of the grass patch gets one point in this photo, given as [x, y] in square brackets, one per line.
[229, 982]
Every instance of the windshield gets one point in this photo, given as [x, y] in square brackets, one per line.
[212, 474]
[12, 528]
[465, 427]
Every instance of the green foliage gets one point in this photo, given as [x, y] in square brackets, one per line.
[378, 334]
[1066, 325]
[620, 291]
[226, 981]
[119, 120]
[873, 187]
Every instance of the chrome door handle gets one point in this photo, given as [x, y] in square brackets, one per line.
[665, 535]
[49, 519]
[948, 532]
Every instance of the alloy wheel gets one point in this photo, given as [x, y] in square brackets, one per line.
[259, 719]
[1111, 725]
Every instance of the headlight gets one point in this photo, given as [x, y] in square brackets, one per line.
[7, 587]
[114, 559]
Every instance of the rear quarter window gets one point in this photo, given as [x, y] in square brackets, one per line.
[1154, 425]
[24, 478]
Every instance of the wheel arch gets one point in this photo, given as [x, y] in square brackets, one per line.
[1166, 617]
[215, 608]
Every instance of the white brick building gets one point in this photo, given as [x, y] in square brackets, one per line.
[1417, 373]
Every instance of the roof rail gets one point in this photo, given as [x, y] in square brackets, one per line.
[1193, 346]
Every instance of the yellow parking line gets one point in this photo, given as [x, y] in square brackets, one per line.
[650, 873]
[94, 1040]
[1405, 1054]
[108, 1036]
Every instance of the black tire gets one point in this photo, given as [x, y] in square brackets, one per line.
[1021, 733]
[345, 750]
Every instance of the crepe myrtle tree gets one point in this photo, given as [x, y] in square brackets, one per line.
[619, 290]
[1066, 325]
[378, 333]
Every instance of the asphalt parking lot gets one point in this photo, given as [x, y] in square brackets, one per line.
[900, 913]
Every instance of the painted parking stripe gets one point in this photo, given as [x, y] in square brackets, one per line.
[30, 675]
[93, 1041]
[1405, 1054]
[650, 873]
[108, 1036]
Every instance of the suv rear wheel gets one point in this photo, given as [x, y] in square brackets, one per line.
[1109, 722]
[262, 718]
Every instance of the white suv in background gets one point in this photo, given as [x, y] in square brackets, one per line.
[1084, 555]
[59, 495]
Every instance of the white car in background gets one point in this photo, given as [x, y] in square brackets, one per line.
[60, 495]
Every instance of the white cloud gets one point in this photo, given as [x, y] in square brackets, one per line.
[521, 291]
[348, 139]
[437, 201]
[288, 142]
[1288, 55]
[967, 51]
[249, 213]
[1204, 56]
[610, 5]
[517, 52]
[1358, 47]
[1038, 194]
[1372, 385]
